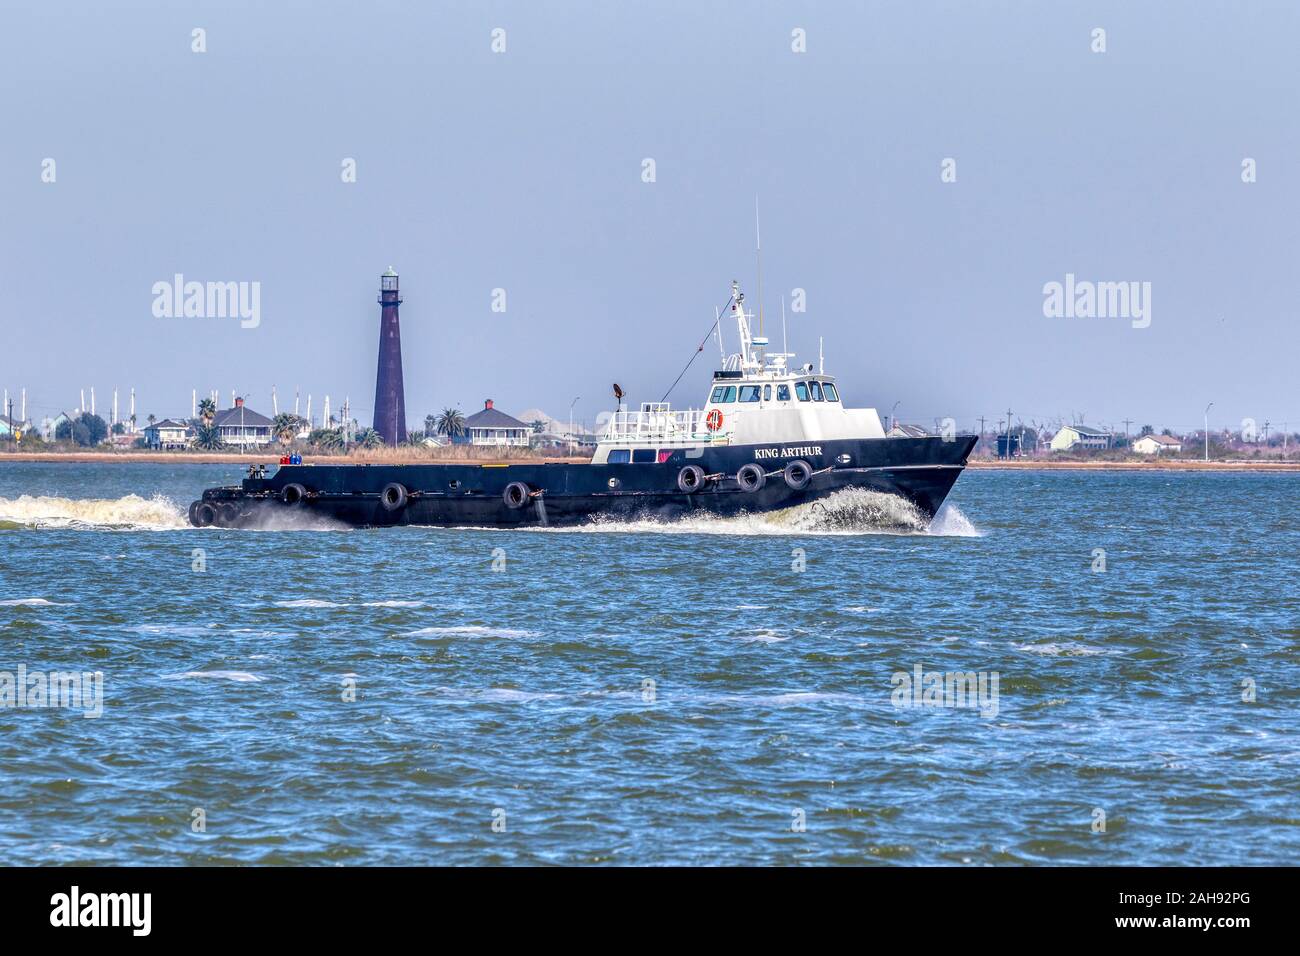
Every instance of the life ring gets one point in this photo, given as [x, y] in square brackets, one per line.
[393, 496]
[292, 493]
[797, 474]
[690, 479]
[516, 494]
[750, 477]
[713, 420]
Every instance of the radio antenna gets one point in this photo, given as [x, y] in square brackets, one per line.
[758, 248]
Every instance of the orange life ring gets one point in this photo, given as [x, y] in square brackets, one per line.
[713, 420]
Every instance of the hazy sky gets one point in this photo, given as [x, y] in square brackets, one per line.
[523, 170]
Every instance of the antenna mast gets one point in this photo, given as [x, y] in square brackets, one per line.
[758, 248]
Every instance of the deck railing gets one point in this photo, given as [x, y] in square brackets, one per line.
[684, 425]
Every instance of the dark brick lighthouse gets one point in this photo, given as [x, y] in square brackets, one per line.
[390, 399]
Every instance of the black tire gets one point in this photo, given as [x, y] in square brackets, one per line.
[292, 493]
[751, 477]
[204, 514]
[516, 495]
[393, 497]
[194, 507]
[227, 514]
[797, 474]
[690, 479]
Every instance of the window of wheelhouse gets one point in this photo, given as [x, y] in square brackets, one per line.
[716, 397]
[831, 394]
[619, 456]
[767, 393]
[816, 391]
[749, 393]
[644, 456]
[801, 389]
[783, 393]
[723, 395]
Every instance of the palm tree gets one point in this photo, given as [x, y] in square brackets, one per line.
[368, 438]
[151, 419]
[329, 439]
[285, 427]
[451, 422]
[208, 438]
[430, 424]
[538, 425]
[207, 410]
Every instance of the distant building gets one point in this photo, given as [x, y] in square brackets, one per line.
[168, 434]
[492, 426]
[10, 425]
[1080, 436]
[242, 426]
[50, 426]
[1009, 445]
[907, 431]
[1156, 444]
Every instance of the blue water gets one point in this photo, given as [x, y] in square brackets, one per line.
[519, 696]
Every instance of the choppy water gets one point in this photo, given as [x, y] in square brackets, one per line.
[520, 695]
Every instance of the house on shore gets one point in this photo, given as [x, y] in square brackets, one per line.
[242, 426]
[1157, 444]
[1072, 437]
[492, 426]
[10, 426]
[168, 434]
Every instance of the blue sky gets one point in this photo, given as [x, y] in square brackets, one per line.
[523, 171]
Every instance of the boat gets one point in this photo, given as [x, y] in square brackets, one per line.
[769, 436]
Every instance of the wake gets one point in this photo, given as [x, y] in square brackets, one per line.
[850, 511]
[131, 513]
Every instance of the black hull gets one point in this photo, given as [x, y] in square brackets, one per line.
[920, 470]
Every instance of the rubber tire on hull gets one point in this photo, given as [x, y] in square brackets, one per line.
[516, 495]
[751, 477]
[227, 514]
[393, 497]
[690, 479]
[204, 514]
[292, 493]
[797, 474]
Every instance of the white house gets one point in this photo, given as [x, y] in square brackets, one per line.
[242, 426]
[1080, 436]
[492, 426]
[1155, 444]
[167, 434]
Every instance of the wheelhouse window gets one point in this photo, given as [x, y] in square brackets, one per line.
[716, 397]
[619, 456]
[643, 456]
[767, 393]
[783, 393]
[801, 389]
[831, 394]
[749, 393]
[723, 395]
[816, 391]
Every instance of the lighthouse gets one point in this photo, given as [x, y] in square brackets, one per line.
[390, 400]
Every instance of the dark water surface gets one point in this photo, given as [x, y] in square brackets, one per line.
[769, 733]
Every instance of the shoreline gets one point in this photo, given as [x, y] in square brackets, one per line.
[242, 460]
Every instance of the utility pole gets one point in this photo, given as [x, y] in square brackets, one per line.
[1008, 434]
[1266, 424]
[1127, 422]
[12, 438]
[981, 438]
